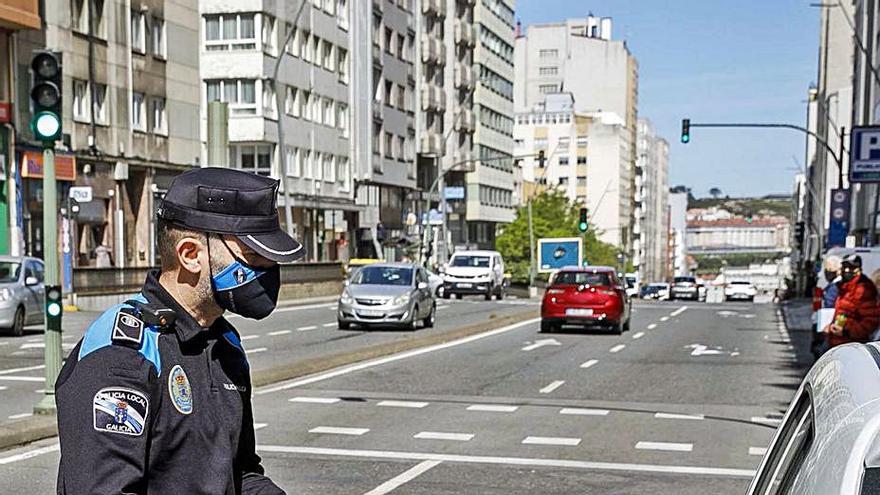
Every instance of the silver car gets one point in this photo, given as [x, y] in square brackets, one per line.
[22, 295]
[829, 440]
[388, 294]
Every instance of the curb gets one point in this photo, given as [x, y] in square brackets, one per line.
[22, 431]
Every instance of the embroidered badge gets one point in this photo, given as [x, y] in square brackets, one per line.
[121, 410]
[128, 329]
[180, 390]
[240, 275]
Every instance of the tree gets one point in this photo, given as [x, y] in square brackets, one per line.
[715, 192]
[553, 215]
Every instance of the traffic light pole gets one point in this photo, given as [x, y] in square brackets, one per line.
[51, 282]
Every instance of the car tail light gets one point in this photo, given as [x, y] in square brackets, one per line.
[606, 292]
[818, 294]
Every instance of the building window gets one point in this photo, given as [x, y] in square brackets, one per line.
[306, 159]
[230, 32]
[315, 50]
[548, 71]
[582, 160]
[401, 148]
[329, 112]
[401, 98]
[314, 111]
[548, 54]
[252, 158]
[548, 88]
[81, 99]
[329, 56]
[389, 41]
[389, 145]
[158, 111]
[541, 143]
[582, 141]
[269, 103]
[269, 35]
[401, 47]
[563, 160]
[100, 107]
[137, 112]
[138, 41]
[342, 173]
[342, 14]
[329, 168]
[79, 13]
[239, 93]
[318, 164]
[303, 43]
[291, 158]
[157, 37]
[563, 181]
[377, 144]
[342, 63]
[582, 181]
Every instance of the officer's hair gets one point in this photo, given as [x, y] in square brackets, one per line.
[167, 237]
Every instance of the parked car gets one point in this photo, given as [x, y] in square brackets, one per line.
[435, 282]
[474, 272]
[391, 294]
[658, 291]
[741, 290]
[632, 284]
[829, 440]
[586, 296]
[685, 287]
[22, 295]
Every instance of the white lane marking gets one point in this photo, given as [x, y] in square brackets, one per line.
[3, 387]
[328, 325]
[306, 328]
[652, 326]
[638, 335]
[540, 343]
[574, 411]
[396, 357]
[768, 421]
[759, 451]
[569, 442]
[22, 378]
[665, 318]
[42, 345]
[403, 478]
[22, 415]
[260, 426]
[315, 400]
[669, 447]
[258, 349]
[492, 408]
[279, 332]
[617, 348]
[337, 430]
[553, 386]
[402, 403]
[590, 363]
[249, 337]
[35, 339]
[29, 454]
[678, 311]
[443, 306]
[17, 370]
[511, 461]
[663, 415]
[439, 435]
[308, 306]
[702, 350]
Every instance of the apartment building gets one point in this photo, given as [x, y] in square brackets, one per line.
[651, 203]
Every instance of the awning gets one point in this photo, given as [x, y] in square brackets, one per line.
[92, 213]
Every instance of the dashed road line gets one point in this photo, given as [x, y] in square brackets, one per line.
[438, 435]
[279, 332]
[3, 387]
[18, 370]
[22, 415]
[663, 415]
[339, 430]
[257, 350]
[260, 426]
[575, 411]
[665, 318]
[652, 326]
[493, 408]
[402, 403]
[766, 421]
[757, 451]
[638, 335]
[589, 364]
[678, 311]
[403, 478]
[553, 386]
[562, 441]
[328, 325]
[315, 400]
[306, 328]
[665, 446]
[249, 337]
[23, 378]
[617, 348]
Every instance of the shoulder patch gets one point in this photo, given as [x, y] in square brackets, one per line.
[101, 334]
[128, 329]
[121, 410]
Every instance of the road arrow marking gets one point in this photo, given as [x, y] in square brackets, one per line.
[702, 350]
[540, 343]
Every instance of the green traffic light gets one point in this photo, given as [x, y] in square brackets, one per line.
[53, 309]
[46, 126]
[685, 138]
[582, 226]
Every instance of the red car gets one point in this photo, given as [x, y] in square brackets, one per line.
[586, 296]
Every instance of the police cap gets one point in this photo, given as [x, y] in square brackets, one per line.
[229, 201]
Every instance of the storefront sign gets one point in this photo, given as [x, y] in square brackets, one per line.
[32, 166]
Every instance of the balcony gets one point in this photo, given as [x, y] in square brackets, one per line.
[379, 5]
[431, 145]
[465, 120]
[377, 56]
[433, 51]
[435, 7]
[464, 76]
[464, 34]
[433, 98]
[377, 110]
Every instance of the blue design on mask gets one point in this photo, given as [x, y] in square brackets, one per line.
[235, 275]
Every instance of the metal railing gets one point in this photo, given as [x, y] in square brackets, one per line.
[106, 281]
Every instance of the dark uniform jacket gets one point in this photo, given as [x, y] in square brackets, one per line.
[147, 410]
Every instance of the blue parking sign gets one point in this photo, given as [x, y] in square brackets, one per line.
[864, 154]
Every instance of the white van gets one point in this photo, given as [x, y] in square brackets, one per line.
[474, 272]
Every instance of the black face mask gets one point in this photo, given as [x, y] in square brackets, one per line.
[245, 290]
[830, 276]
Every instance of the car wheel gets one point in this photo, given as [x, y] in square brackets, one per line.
[488, 294]
[413, 322]
[432, 317]
[500, 295]
[617, 328]
[343, 325]
[17, 328]
[546, 326]
[458, 296]
[628, 325]
[446, 295]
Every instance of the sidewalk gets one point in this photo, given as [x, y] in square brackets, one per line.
[798, 315]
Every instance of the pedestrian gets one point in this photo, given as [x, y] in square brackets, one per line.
[856, 313]
[831, 268]
[103, 258]
[156, 397]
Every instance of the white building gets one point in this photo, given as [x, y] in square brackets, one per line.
[678, 248]
[739, 235]
[652, 200]
[241, 42]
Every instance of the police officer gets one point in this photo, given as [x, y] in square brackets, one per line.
[156, 397]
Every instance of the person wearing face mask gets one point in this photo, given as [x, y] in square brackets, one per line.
[156, 397]
[856, 313]
[831, 268]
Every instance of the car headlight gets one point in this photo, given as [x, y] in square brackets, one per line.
[400, 300]
[5, 295]
[346, 298]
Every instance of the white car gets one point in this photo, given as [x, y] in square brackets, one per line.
[474, 272]
[740, 289]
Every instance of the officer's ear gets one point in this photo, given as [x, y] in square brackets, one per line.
[189, 251]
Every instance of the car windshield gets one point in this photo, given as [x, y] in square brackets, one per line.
[9, 271]
[630, 282]
[685, 280]
[383, 275]
[472, 261]
[582, 278]
[740, 283]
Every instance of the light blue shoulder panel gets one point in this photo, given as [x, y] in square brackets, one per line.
[100, 331]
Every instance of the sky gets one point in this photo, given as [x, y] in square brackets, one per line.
[715, 61]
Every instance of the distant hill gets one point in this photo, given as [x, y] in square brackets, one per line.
[767, 205]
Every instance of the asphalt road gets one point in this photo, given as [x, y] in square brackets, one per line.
[291, 334]
[684, 403]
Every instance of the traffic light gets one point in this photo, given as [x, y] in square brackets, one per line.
[799, 229]
[685, 131]
[53, 307]
[582, 221]
[46, 95]
[750, 217]
[541, 159]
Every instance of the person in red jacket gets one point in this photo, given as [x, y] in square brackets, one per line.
[856, 312]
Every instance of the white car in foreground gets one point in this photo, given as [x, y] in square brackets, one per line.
[740, 290]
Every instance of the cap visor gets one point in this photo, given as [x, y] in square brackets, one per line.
[276, 246]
